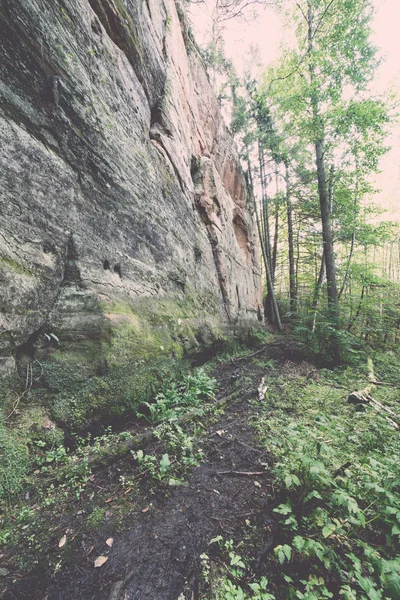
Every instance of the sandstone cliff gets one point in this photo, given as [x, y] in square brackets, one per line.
[124, 231]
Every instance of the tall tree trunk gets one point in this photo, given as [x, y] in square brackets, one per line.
[353, 237]
[264, 201]
[276, 232]
[267, 266]
[324, 200]
[327, 235]
[317, 291]
[275, 246]
[292, 273]
[268, 307]
[352, 321]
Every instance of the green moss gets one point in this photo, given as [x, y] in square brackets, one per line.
[15, 266]
[142, 344]
[132, 37]
[36, 428]
[95, 519]
[14, 462]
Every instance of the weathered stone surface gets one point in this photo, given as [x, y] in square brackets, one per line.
[119, 182]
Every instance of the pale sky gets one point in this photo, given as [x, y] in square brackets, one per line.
[266, 32]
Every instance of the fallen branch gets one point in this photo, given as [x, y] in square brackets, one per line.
[386, 384]
[245, 473]
[364, 397]
[236, 359]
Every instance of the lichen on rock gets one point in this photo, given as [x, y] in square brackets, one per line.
[124, 226]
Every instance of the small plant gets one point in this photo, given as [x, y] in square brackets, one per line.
[232, 585]
[148, 463]
[177, 399]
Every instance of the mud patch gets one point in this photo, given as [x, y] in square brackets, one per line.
[156, 553]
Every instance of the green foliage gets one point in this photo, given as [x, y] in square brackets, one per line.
[315, 96]
[229, 586]
[339, 474]
[179, 398]
[14, 462]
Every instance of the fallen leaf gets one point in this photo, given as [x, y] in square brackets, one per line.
[62, 542]
[4, 572]
[220, 432]
[110, 542]
[109, 499]
[145, 510]
[100, 560]
[257, 484]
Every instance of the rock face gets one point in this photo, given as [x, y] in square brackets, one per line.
[122, 201]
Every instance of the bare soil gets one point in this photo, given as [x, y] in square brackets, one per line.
[156, 550]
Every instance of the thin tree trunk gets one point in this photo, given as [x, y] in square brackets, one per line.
[317, 291]
[331, 187]
[265, 259]
[292, 273]
[297, 265]
[351, 323]
[276, 232]
[320, 281]
[353, 237]
[275, 246]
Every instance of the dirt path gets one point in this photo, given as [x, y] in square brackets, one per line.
[157, 555]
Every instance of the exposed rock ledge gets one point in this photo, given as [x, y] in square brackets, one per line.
[122, 200]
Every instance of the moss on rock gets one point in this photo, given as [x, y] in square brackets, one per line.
[142, 345]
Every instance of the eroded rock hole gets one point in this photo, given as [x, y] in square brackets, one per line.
[106, 265]
[96, 27]
[156, 117]
[117, 269]
[71, 270]
[195, 171]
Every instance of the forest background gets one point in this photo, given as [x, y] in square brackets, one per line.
[291, 76]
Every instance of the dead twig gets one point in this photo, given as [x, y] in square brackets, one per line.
[236, 359]
[244, 473]
[28, 385]
[384, 383]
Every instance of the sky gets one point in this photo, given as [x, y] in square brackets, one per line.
[266, 32]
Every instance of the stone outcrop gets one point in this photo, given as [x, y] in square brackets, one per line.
[121, 195]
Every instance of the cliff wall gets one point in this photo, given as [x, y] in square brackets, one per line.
[124, 231]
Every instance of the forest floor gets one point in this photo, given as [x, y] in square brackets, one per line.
[186, 515]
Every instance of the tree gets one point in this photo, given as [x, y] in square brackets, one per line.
[317, 93]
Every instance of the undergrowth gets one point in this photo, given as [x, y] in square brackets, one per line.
[177, 398]
[338, 470]
[56, 490]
